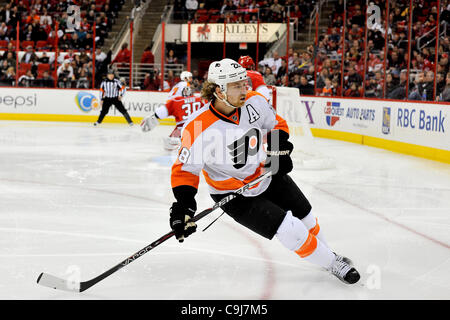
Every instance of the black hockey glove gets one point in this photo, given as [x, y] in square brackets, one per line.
[279, 150]
[182, 211]
[181, 221]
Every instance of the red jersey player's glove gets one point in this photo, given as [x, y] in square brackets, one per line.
[182, 211]
[279, 151]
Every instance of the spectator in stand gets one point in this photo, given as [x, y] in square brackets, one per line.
[150, 82]
[3, 67]
[358, 18]
[26, 80]
[276, 7]
[327, 90]
[324, 74]
[191, 8]
[282, 71]
[29, 34]
[8, 50]
[45, 17]
[354, 76]
[305, 87]
[171, 59]
[88, 42]
[419, 87]
[9, 77]
[101, 30]
[32, 17]
[75, 42]
[428, 87]
[399, 92]
[124, 55]
[390, 84]
[227, 6]
[44, 58]
[445, 96]
[29, 56]
[269, 78]
[273, 63]
[171, 78]
[353, 91]
[100, 56]
[65, 75]
[196, 85]
[11, 60]
[147, 56]
[64, 42]
[253, 7]
[440, 84]
[83, 81]
[3, 35]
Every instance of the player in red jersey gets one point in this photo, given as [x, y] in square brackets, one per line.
[181, 108]
[255, 79]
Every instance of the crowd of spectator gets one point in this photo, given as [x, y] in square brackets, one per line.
[318, 70]
[243, 11]
[369, 82]
[46, 26]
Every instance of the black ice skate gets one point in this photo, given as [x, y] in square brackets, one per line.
[342, 268]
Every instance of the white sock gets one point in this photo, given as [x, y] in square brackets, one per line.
[293, 234]
[312, 225]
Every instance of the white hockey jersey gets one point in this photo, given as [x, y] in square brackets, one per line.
[227, 149]
[177, 89]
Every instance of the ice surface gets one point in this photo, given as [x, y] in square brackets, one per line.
[76, 200]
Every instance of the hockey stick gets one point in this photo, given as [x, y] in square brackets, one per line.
[209, 225]
[53, 282]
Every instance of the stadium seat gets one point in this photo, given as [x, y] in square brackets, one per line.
[41, 45]
[213, 12]
[21, 72]
[214, 18]
[25, 44]
[25, 66]
[3, 44]
[202, 19]
[43, 67]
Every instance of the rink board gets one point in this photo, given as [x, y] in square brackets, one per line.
[419, 129]
[73, 105]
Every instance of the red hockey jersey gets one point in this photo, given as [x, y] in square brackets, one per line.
[180, 107]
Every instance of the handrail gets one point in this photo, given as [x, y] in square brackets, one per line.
[444, 31]
[124, 31]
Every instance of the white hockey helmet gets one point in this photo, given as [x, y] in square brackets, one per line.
[226, 71]
[185, 75]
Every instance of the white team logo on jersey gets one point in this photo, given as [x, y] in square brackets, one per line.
[253, 115]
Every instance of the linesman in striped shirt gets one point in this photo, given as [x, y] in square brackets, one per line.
[112, 91]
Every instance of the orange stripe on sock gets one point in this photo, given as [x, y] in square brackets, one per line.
[308, 247]
[316, 229]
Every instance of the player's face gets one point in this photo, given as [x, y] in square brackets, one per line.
[236, 92]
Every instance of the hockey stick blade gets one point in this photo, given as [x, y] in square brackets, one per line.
[53, 282]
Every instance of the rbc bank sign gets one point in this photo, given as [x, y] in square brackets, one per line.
[420, 120]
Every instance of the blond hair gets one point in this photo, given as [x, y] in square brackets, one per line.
[208, 90]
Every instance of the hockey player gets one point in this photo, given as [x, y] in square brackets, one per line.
[224, 140]
[179, 107]
[186, 80]
[255, 79]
